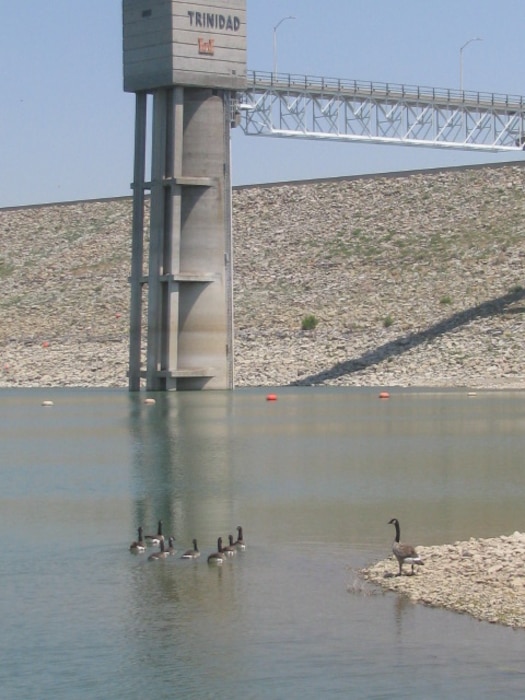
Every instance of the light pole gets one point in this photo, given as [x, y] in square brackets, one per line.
[477, 38]
[274, 72]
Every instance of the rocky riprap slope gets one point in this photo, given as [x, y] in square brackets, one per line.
[415, 280]
[482, 577]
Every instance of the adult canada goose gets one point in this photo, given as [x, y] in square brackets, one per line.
[192, 553]
[139, 545]
[404, 553]
[161, 554]
[230, 549]
[154, 540]
[217, 557]
[240, 543]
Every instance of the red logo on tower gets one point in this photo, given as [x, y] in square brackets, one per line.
[206, 47]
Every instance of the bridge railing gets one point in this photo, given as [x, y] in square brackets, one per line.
[397, 91]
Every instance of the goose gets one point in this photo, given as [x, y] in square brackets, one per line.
[171, 549]
[404, 553]
[192, 553]
[217, 557]
[240, 543]
[161, 554]
[154, 540]
[230, 549]
[139, 545]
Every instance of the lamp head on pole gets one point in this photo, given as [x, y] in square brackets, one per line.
[281, 21]
[476, 38]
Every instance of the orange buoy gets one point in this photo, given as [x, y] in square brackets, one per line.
[271, 397]
[384, 395]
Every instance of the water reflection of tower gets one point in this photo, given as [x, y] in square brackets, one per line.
[182, 464]
[181, 472]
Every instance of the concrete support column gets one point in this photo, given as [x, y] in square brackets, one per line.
[189, 281]
[205, 251]
[137, 243]
[157, 240]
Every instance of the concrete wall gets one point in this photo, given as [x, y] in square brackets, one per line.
[198, 43]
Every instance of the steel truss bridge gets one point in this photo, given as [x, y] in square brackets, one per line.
[298, 106]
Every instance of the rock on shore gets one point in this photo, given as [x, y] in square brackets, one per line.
[482, 577]
[414, 279]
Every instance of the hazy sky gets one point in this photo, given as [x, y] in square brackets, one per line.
[66, 126]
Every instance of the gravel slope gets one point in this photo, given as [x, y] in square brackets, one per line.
[414, 279]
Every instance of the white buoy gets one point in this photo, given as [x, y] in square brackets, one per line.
[47, 403]
[149, 402]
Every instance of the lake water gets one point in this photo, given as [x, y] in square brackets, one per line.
[313, 478]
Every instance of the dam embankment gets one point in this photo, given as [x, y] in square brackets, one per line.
[415, 279]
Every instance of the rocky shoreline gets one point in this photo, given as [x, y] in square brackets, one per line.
[414, 280]
[487, 575]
